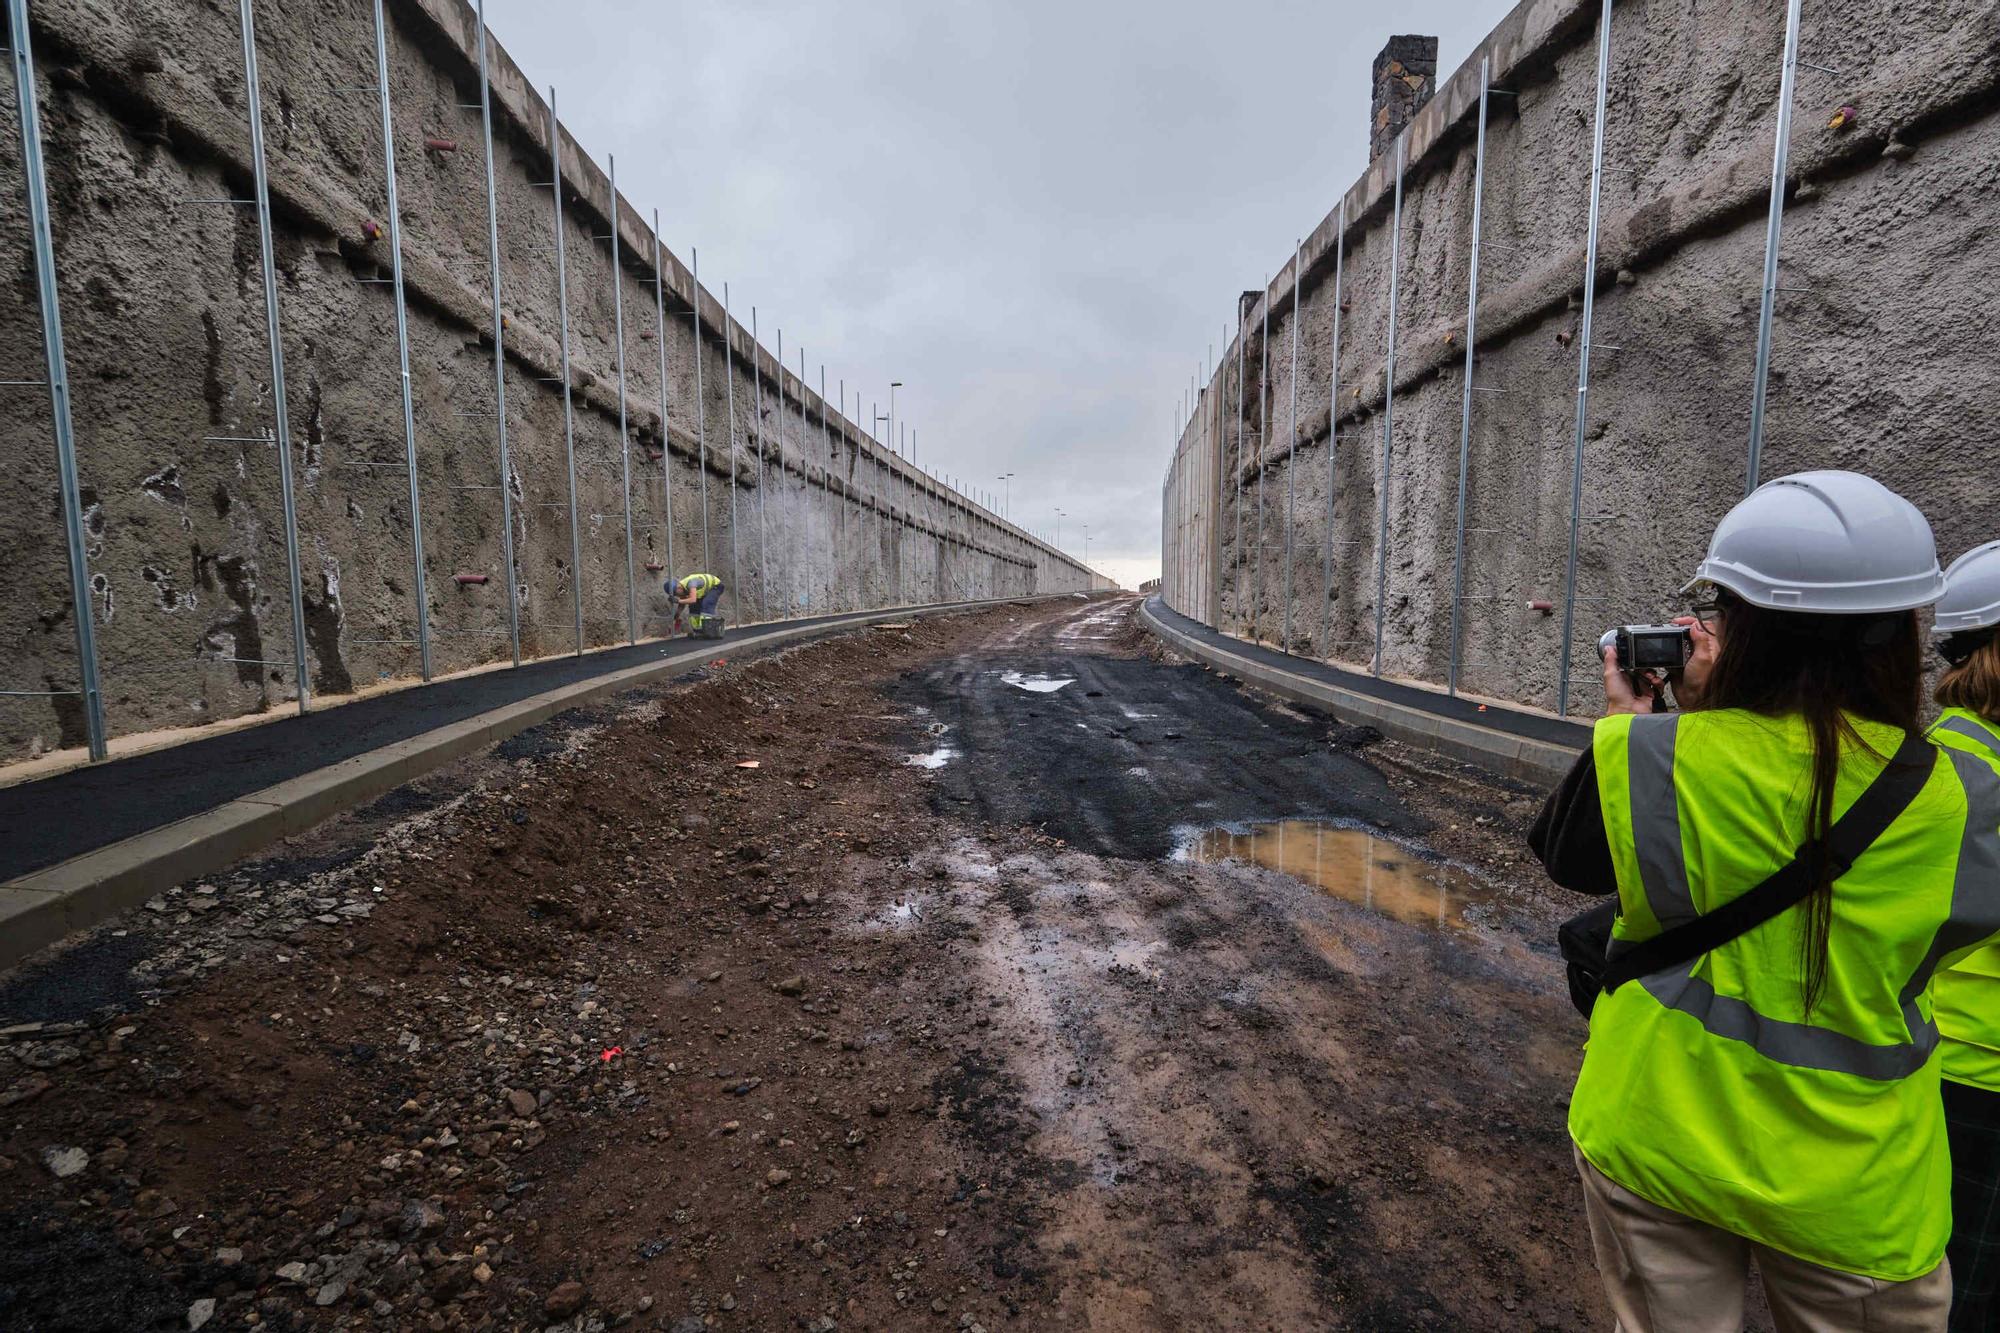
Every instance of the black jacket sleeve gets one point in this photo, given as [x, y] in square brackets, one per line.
[1568, 837]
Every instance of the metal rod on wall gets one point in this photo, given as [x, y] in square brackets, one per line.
[1583, 355]
[826, 445]
[56, 363]
[763, 551]
[1389, 407]
[700, 411]
[666, 429]
[1333, 421]
[624, 431]
[419, 586]
[1465, 405]
[1236, 553]
[499, 350]
[569, 413]
[1773, 226]
[1263, 436]
[1291, 448]
[276, 336]
[729, 383]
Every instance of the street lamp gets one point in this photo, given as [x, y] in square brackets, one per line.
[1059, 518]
[893, 437]
[1006, 494]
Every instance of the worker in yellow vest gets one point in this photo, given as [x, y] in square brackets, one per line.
[702, 592]
[1775, 1099]
[1966, 997]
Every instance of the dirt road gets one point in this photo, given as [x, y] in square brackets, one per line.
[976, 1003]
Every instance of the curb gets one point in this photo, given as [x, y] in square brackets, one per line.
[1522, 758]
[43, 907]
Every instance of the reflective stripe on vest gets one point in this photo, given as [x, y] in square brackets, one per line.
[1966, 995]
[1709, 1089]
[1656, 837]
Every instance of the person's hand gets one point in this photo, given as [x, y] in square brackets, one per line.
[1706, 646]
[1621, 695]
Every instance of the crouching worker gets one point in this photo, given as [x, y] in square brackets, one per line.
[1792, 861]
[701, 592]
[1966, 625]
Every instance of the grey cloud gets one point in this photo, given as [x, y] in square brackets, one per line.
[1037, 215]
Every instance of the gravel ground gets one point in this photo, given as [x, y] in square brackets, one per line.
[709, 1009]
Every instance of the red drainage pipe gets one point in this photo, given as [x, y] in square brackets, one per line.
[464, 579]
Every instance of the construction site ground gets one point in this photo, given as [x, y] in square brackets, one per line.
[931, 976]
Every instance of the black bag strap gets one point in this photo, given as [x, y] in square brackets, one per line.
[1852, 834]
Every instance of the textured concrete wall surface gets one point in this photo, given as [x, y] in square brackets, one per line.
[1884, 351]
[144, 115]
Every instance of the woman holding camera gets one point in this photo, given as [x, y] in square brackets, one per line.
[1775, 1099]
[1966, 625]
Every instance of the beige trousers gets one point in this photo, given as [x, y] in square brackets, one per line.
[1665, 1272]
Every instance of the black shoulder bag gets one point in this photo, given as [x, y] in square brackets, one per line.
[1585, 939]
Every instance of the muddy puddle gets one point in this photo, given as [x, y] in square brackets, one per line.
[1036, 684]
[1351, 864]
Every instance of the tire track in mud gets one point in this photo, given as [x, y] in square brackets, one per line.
[1243, 1103]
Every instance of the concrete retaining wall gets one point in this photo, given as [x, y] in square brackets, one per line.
[143, 112]
[1883, 356]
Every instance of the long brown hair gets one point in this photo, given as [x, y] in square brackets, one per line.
[1974, 684]
[1825, 669]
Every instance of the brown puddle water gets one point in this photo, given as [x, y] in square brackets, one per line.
[1351, 864]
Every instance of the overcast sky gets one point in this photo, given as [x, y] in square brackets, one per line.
[1037, 215]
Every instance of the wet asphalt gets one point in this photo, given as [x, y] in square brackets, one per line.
[1133, 754]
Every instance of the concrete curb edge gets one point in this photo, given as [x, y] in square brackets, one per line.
[47, 905]
[1539, 763]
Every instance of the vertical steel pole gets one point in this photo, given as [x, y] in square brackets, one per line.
[499, 350]
[1333, 420]
[569, 412]
[757, 429]
[805, 477]
[276, 336]
[763, 551]
[1236, 471]
[666, 429]
[1583, 359]
[700, 411]
[1389, 408]
[875, 486]
[624, 432]
[58, 377]
[1263, 436]
[418, 585]
[832, 513]
[729, 383]
[1465, 404]
[1291, 449]
[1772, 227]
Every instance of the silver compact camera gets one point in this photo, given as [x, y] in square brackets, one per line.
[1646, 648]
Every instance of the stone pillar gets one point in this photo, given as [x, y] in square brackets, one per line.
[1405, 78]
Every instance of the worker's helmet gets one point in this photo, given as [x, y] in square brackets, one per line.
[1971, 598]
[1831, 543]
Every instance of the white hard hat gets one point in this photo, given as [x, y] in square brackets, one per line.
[1971, 592]
[1832, 543]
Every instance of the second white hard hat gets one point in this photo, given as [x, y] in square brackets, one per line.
[1831, 543]
[1971, 592]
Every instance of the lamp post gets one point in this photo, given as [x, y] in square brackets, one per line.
[1059, 518]
[1006, 495]
[895, 441]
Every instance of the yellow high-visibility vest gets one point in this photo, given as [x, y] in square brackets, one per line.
[1966, 996]
[1707, 1088]
[698, 584]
